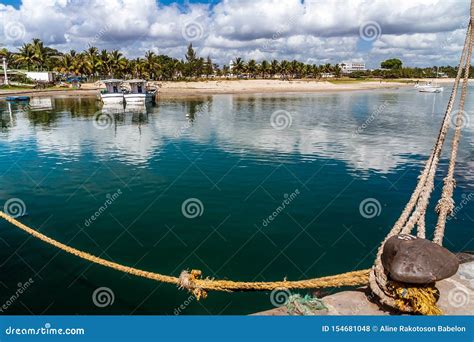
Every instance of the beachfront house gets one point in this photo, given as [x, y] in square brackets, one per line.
[349, 67]
[40, 76]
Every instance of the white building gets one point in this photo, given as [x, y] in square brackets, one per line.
[44, 76]
[348, 67]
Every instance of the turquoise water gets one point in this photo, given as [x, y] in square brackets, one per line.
[133, 169]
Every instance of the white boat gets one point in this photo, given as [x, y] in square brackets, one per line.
[113, 93]
[432, 89]
[429, 88]
[139, 93]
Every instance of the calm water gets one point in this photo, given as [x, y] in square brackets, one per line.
[222, 150]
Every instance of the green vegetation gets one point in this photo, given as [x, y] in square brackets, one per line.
[93, 64]
[10, 87]
[393, 64]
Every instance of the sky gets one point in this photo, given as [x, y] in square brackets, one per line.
[419, 32]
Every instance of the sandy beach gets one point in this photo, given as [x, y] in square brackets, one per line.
[178, 89]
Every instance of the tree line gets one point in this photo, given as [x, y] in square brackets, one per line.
[93, 64]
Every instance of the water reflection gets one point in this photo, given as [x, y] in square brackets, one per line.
[369, 131]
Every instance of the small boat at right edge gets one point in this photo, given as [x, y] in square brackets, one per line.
[429, 88]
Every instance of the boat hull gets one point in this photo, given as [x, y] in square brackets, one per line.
[114, 98]
[430, 90]
[139, 98]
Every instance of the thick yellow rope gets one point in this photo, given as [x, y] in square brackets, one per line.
[191, 280]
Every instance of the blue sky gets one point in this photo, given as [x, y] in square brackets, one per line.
[420, 32]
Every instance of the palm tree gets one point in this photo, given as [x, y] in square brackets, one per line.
[252, 68]
[274, 67]
[66, 64]
[264, 68]
[238, 66]
[337, 70]
[151, 64]
[92, 56]
[225, 70]
[284, 69]
[116, 63]
[316, 71]
[104, 63]
[25, 56]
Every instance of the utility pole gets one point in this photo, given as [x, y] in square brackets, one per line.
[5, 70]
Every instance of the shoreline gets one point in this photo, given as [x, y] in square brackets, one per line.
[215, 87]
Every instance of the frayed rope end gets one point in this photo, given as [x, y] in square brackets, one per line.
[186, 281]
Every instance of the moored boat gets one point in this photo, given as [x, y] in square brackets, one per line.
[18, 98]
[429, 88]
[139, 93]
[113, 92]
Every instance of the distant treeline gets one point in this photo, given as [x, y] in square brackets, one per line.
[93, 64]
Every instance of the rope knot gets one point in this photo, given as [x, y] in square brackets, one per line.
[446, 203]
[187, 281]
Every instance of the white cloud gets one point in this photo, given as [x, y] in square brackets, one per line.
[418, 31]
